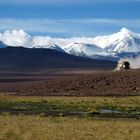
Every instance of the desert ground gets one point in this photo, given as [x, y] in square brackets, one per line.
[72, 82]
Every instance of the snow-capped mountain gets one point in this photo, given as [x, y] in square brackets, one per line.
[121, 44]
[53, 47]
[125, 41]
[81, 49]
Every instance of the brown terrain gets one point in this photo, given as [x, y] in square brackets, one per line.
[72, 83]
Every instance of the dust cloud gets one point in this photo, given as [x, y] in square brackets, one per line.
[134, 62]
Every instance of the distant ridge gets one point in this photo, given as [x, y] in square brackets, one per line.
[13, 58]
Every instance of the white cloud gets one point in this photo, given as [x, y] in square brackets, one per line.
[16, 38]
[21, 38]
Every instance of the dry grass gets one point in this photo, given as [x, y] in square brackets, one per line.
[66, 128]
[22, 127]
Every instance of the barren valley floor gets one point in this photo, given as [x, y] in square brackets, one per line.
[71, 82]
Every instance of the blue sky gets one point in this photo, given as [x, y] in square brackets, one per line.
[66, 18]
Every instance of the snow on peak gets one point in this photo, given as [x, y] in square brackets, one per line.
[122, 41]
[126, 41]
[83, 49]
[125, 31]
[53, 47]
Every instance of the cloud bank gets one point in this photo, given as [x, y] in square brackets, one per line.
[22, 38]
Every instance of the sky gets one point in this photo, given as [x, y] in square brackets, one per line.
[68, 18]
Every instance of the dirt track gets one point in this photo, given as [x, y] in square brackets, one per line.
[115, 83]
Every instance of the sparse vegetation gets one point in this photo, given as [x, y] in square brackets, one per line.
[39, 127]
[129, 106]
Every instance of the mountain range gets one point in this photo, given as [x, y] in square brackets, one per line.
[124, 43]
[20, 58]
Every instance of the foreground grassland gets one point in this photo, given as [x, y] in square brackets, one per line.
[25, 118]
[67, 128]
